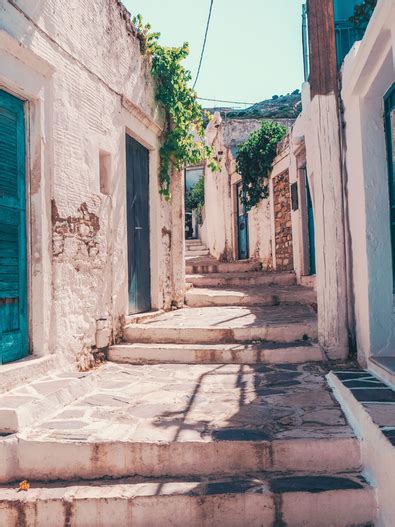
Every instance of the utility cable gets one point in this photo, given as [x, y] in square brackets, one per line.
[204, 44]
[229, 102]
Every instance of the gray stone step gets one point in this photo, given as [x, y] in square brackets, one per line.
[197, 252]
[210, 265]
[196, 247]
[334, 500]
[240, 279]
[213, 325]
[250, 296]
[264, 353]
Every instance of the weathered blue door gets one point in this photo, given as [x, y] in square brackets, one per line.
[242, 225]
[13, 254]
[311, 229]
[137, 176]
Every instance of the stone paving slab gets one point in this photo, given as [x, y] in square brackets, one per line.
[201, 403]
[23, 405]
[249, 295]
[233, 317]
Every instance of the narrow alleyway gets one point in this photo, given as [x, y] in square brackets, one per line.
[215, 414]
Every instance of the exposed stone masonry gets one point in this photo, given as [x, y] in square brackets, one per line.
[282, 222]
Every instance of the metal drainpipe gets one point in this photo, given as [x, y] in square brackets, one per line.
[350, 300]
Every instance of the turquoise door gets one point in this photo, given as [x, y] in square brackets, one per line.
[242, 225]
[389, 105]
[13, 268]
[311, 228]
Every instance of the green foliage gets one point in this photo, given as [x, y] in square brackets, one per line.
[194, 199]
[363, 12]
[184, 115]
[254, 161]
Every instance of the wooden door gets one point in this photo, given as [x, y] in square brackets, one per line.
[139, 264]
[13, 253]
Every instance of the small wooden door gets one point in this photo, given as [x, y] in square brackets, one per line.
[139, 264]
[242, 225]
[13, 253]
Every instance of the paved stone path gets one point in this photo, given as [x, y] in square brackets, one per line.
[200, 403]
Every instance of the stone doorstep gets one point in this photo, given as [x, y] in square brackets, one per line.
[56, 459]
[249, 278]
[140, 318]
[264, 353]
[327, 501]
[249, 296]
[286, 332]
[22, 371]
[19, 410]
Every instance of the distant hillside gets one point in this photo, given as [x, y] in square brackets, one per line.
[278, 107]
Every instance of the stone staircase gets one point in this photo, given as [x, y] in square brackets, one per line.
[195, 248]
[218, 414]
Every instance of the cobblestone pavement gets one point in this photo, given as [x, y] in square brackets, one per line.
[200, 403]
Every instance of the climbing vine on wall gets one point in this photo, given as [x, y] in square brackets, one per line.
[254, 161]
[363, 12]
[184, 115]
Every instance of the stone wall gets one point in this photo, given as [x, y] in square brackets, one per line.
[79, 67]
[282, 223]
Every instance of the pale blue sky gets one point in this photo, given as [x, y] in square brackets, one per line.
[253, 49]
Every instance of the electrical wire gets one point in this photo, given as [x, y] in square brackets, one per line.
[204, 44]
[228, 102]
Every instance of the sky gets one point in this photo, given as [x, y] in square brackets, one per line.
[253, 49]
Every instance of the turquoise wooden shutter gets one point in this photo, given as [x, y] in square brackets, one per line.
[13, 255]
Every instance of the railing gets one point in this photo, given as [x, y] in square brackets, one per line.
[346, 34]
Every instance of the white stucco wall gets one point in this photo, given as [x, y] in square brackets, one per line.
[79, 67]
[219, 231]
[368, 73]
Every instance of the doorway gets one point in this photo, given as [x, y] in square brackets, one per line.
[310, 227]
[242, 225]
[14, 340]
[138, 226]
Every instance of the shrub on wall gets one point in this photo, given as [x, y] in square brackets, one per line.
[254, 161]
[363, 12]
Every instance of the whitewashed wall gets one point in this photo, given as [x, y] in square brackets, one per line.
[368, 73]
[79, 66]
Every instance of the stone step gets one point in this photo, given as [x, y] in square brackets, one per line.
[240, 279]
[228, 451]
[193, 241]
[210, 265]
[250, 296]
[178, 420]
[196, 247]
[22, 406]
[334, 500]
[198, 252]
[211, 325]
[264, 353]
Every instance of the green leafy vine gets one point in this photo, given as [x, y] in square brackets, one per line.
[255, 159]
[183, 144]
[363, 12]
